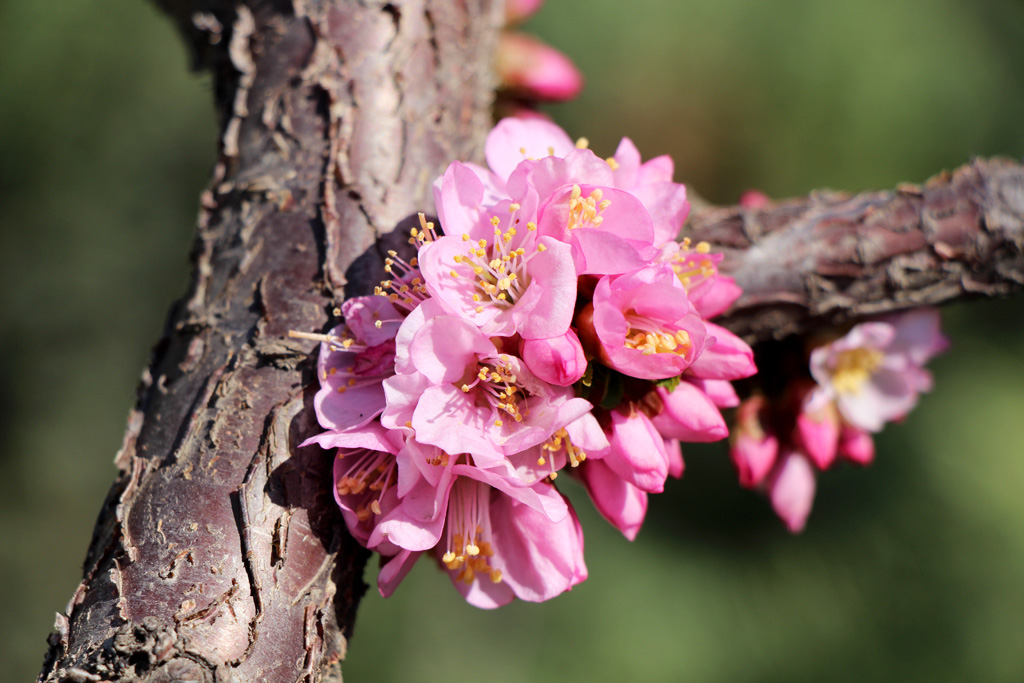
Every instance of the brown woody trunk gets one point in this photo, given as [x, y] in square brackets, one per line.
[219, 554]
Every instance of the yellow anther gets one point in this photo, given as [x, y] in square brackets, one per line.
[494, 221]
[513, 207]
[612, 163]
[582, 143]
[453, 273]
[465, 237]
[541, 247]
[378, 323]
[375, 506]
[702, 248]
[531, 226]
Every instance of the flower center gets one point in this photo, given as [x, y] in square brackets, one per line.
[693, 267]
[496, 385]
[468, 548]
[369, 474]
[560, 441]
[584, 212]
[406, 287]
[647, 335]
[499, 270]
[853, 368]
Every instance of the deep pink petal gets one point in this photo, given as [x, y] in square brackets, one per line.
[514, 140]
[618, 501]
[792, 491]
[689, 415]
[538, 558]
[728, 358]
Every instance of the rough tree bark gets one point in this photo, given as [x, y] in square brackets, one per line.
[218, 554]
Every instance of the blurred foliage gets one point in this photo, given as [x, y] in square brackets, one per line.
[909, 569]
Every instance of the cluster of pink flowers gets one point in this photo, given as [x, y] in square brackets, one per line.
[870, 376]
[552, 322]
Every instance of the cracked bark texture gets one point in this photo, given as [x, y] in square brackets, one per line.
[832, 258]
[219, 554]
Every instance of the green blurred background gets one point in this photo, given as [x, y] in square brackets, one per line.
[910, 569]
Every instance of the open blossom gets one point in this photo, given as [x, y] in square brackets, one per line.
[457, 390]
[875, 373]
[644, 325]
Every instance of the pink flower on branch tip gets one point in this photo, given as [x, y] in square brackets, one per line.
[875, 372]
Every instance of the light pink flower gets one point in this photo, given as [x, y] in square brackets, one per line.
[458, 391]
[643, 324]
[354, 361]
[874, 374]
[502, 276]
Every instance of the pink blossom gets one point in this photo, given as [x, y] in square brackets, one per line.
[557, 360]
[498, 537]
[458, 391]
[643, 324]
[874, 374]
[856, 445]
[621, 503]
[502, 276]
[651, 183]
[532, 69]
[354, 360]
[818, 433]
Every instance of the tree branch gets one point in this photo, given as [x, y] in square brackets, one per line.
[219, 553]
[831, 258]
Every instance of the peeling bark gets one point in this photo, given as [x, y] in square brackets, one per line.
[219, 554]
[831, 258]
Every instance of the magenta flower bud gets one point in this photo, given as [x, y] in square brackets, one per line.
[556, 360]
[792, 491]
[533, 69]
[518, 11]
[856, 445]
[753, 451]
[754, 199]
[818, 431]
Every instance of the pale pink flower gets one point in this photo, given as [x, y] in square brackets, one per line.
[356, 357]
[643, 324]
[458, 391]
[874, 373]
[502, 276]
